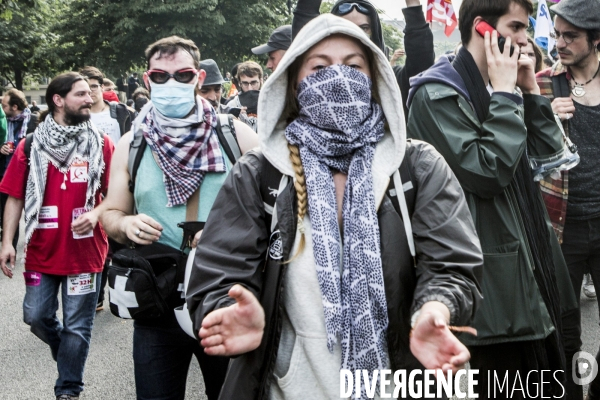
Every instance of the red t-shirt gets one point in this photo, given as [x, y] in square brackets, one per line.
[53, 248]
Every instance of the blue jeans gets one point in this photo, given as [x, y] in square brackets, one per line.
[162, 353]
[69, 341]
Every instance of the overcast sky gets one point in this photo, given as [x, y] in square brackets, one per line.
[393, 8]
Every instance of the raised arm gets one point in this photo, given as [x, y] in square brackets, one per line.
[305, 11]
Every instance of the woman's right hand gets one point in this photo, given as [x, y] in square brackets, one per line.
[236, 329]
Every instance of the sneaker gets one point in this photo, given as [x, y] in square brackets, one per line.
[100, 306]
[588, 286]
[67, 397]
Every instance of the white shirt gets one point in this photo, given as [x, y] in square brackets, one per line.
[106, 124]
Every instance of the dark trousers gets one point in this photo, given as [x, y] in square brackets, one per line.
[162, 353]
[581, 249]
[509, 361]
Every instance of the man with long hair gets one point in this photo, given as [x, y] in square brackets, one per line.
[57, 176]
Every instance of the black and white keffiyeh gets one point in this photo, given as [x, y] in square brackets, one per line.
[338, 128]
[61, 146]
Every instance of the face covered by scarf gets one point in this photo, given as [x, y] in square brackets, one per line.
[338, 128]
[186, 149]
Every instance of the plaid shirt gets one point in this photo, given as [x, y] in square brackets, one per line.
[555, 191]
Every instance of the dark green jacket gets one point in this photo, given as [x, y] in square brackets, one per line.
[484, 158]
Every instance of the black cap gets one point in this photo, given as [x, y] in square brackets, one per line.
[213, 75]
[281, 39]
[584, 14]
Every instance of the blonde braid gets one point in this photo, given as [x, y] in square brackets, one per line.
[301, 195]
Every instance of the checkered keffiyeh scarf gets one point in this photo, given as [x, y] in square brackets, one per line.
[186, 149]
[61, 146]
[25, 116]
[338, 128]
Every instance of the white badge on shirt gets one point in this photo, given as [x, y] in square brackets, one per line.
[79, 172]
[76, 213]
[48, 218]
[81, 284]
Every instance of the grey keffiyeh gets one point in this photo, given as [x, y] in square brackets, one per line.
[338, 128]
[61, 146]
[186, 148]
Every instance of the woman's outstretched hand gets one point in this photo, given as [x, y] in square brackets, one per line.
[433, 344]
[236, 329]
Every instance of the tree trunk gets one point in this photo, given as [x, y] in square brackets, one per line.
[19, 78]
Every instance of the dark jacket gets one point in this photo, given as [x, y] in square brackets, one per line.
[418, 45]
[484, 158]
[235, 243]
[309, 9]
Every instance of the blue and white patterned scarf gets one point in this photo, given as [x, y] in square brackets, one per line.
[338, 128]
[186, 149]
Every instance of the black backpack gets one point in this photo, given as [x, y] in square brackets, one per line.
[123, 114]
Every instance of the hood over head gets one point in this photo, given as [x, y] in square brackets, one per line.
[376, 31]
[271, 123]
[441, 72]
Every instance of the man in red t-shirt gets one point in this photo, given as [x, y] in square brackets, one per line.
[59, 184]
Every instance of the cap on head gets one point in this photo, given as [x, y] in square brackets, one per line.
[213, 75]
[281, 39]
[584, 14]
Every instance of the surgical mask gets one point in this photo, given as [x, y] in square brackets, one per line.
[173, 99]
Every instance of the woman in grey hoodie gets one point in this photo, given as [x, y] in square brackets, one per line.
[363, 289]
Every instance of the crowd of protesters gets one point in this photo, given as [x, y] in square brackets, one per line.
[343, 214]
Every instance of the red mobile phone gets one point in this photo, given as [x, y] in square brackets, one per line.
[482, 27]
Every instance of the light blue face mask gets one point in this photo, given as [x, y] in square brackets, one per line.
[173, 99]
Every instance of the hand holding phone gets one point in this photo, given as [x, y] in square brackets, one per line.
[502, 67]
[482, 27]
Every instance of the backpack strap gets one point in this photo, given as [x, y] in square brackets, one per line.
[28, 142]
[403, 192]
[272, 182]
[560, 86]
[113, 109]
[227, 137]
[136, 152]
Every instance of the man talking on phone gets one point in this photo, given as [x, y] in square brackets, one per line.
[485, 115]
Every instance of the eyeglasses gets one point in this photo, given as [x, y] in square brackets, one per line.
[253, 84]
[95, 86]
[346, 8]
[568, 37]
[181, 76]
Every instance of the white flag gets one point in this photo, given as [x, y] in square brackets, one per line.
[543, 27]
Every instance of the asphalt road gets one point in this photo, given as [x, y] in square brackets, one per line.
[28, 372]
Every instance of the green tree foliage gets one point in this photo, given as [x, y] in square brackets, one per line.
[113, 34]
[27, 43]
[7, 7]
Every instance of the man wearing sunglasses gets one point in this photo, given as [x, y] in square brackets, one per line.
[573, 200]
[418, 38]
[182, 156]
